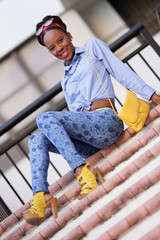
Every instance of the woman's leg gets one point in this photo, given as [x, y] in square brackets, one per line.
[98, 128]
[39, 148]
[74, 135]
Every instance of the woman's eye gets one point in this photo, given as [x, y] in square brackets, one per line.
[51, 49]
[61, 39]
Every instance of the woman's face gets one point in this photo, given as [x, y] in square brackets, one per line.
[59, 44]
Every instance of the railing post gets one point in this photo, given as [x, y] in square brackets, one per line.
[158, 14]
[148, 37]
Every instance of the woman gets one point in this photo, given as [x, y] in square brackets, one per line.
[90, 124]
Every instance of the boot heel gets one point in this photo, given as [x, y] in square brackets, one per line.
[52, 203]
[99, 175]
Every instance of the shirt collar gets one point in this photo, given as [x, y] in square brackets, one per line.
[78, 50]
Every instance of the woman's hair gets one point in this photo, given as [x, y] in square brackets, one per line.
[56, 19]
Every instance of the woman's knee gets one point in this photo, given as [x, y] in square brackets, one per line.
[47, 119]
[36, 136]
[42, 118]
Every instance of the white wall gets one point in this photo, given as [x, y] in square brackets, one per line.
[79, 29]
[108, 25]
[104, 20]
[19, 17]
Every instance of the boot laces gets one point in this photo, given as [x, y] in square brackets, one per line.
[38, 203]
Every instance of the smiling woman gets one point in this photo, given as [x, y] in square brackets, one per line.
[90, 125]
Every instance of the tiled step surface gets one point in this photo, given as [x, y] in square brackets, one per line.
[143, 227]
[124, 159]
[114, 204]
[153, 234]
[133, 218]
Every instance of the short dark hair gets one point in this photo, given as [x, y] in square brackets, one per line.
[57, 19]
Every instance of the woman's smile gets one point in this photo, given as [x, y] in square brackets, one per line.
[64, 54]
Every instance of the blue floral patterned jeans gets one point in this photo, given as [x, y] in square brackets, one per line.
[74, 135]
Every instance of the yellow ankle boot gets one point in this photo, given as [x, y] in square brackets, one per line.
[87, 180]
[36, 213]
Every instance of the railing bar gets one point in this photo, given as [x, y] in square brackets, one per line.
[9, 157]
[11, 187]
[55, 169]
[23, 151]
[135, 52]
[133, 32]
[32, 127]
[30, 108]
[148, 37]
[19, 145]
[6, 146]
[130, 66]
[149, 66]
[118, 101]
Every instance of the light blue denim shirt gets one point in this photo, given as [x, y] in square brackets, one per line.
[81, 85]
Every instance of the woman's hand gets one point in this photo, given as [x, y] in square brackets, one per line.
[155, 98]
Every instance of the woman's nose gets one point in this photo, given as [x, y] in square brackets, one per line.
[59, 48]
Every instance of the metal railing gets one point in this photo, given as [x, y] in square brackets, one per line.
[138, 29]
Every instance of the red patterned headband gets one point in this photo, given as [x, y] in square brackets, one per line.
[47, 24]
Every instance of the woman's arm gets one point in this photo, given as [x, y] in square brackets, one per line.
[155, 98]
[120, 71]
